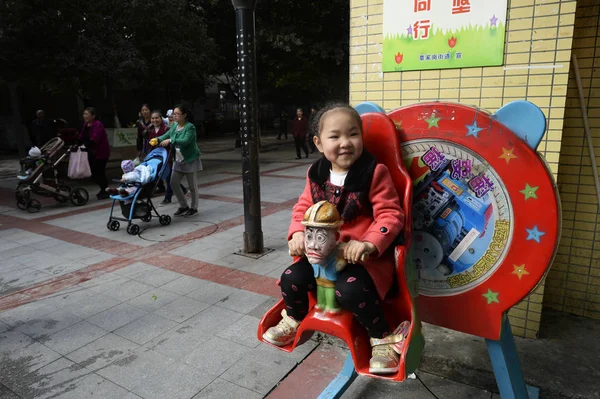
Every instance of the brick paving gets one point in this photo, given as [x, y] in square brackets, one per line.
[171, 313]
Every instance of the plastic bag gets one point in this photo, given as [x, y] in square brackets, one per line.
[79, 167]
[35, 152]
[178, 155]
[137, 161]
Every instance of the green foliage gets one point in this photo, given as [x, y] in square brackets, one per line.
[123, 45]
[477, 44]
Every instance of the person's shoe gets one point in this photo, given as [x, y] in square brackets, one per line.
[306, 155]
[181, 211]
[164, 202]
[102, 195]
[191, 212]
[284, 332]
[123, 192]
[384, 358]
[298, 158]
[278, 138]
[111, 191]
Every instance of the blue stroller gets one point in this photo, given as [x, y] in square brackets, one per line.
[138, 205]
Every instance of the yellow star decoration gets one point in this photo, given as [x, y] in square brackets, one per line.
[520, 271]
[398, 124]
[508, 154]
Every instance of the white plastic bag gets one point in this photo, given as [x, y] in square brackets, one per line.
[137, 161]
[178, 155]
[79, 167]
[35, 152]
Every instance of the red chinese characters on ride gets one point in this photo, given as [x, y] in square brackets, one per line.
[461, 6]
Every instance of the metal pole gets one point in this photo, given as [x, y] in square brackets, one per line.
[245, 35]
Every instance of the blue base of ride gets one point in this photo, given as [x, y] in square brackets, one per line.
[507, 369]
[505, 361]
[338, 386]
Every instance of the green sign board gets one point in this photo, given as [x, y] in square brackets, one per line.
[440, 34]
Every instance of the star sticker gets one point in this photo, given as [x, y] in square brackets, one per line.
[491, 297]
[432, 121]
[494, 20]
[529, 192]
[473, 130]
[520, 271]
[410, 30]
[534, 234]
[508, 154]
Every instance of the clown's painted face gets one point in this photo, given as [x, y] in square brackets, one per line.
[320, 243]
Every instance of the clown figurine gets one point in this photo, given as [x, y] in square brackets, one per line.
[321, 235]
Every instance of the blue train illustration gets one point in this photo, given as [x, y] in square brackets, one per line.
[451, 225]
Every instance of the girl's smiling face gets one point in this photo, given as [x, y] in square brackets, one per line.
[340, 139]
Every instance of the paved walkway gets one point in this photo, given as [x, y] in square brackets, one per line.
[171, 313]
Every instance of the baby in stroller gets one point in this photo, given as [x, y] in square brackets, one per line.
[134, 195]
[131, 174]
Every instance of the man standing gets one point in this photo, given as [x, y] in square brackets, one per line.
[299, 131]
[42, 129]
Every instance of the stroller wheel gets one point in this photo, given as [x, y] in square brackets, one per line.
[164, 220]
[33, 206]
[22, 205]
[147, 217]
[62, 198]
[79, 196]
[113, 225]
[133, 229]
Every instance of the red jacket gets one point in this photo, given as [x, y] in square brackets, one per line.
[376, 218]
[300, 127]
[97, 135]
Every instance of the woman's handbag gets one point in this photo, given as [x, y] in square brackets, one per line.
[79, 167]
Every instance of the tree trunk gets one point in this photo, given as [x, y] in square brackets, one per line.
[16, 133]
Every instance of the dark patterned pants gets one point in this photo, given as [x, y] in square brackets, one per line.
[354, 289]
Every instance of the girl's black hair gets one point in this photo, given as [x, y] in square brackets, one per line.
[156, 111]
[147, 106]
[91, 110]
[317, 122]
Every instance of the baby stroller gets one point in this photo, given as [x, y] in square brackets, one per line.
[39, 175]
[139, 204]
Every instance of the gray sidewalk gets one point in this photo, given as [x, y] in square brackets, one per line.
[172, 313]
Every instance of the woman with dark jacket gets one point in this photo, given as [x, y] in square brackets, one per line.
[144, 127]
[93, 136]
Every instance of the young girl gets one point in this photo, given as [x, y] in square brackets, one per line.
[363, 191]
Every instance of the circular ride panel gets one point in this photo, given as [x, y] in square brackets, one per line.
[486, 214]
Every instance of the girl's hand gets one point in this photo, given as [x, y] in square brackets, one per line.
[357, 251]
[165, 143]
[296, 244]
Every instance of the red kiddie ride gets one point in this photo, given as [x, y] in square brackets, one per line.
[482, 225]
[399, 305]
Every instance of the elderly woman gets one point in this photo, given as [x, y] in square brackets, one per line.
[94, 137]
[182, 136]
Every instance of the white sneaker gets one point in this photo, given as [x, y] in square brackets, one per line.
[283, 333]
